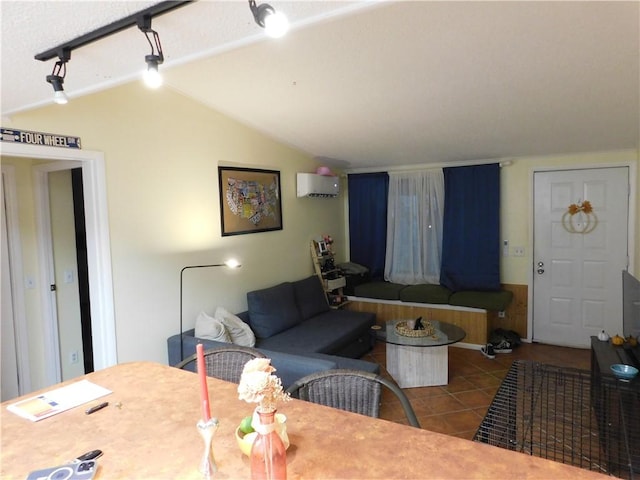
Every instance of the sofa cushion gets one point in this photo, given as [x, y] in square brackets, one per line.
[273, 310]
[381, 290]
[310, 297]
[239, 331]
[211, 328]
[488, 300]
[324, 333]
[425, 293]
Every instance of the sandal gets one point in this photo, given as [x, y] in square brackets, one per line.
[488, 351]
[503, 347]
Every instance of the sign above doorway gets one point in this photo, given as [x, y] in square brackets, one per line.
[39, 138]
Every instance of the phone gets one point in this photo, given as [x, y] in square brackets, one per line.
[72, 471]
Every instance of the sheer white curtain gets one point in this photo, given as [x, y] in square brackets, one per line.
[414, 227]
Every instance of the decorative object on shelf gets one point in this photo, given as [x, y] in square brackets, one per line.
[259, 385]
[332, 278]
[407, 329]
[603, 337]
[580, 218]
[250, 200]
[207, 426]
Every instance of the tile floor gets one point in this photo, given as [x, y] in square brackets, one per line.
[458, 408]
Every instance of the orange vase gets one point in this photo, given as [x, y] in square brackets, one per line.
[268, 454]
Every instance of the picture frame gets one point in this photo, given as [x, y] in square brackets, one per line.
[322, 247]
[250, 200]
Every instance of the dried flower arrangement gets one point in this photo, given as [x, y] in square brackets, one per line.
[259, 385]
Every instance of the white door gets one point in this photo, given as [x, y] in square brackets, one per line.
[579, 255]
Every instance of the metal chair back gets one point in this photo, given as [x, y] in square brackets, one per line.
[225, 363]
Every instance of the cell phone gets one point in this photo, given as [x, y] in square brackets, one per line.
[72, 471]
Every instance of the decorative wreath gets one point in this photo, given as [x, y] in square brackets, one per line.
[588, 219]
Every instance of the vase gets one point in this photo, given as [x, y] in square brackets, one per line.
[268, 454]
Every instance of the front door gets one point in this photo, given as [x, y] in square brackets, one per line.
[580, 250]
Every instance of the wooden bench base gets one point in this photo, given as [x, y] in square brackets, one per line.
[473, 321]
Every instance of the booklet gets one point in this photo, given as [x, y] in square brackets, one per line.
[58, 400]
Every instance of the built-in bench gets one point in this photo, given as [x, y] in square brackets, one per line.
[466, 309]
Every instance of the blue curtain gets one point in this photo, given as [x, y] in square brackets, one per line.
[368, 194]
[471, 230]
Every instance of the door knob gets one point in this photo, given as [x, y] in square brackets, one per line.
[540, 268]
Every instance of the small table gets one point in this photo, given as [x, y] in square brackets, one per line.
[411, 363]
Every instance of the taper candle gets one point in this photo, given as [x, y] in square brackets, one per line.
[204, 390]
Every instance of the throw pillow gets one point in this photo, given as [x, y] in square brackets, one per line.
[239, 331]
[211, 328]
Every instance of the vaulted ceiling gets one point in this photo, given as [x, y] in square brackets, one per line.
[366, 84]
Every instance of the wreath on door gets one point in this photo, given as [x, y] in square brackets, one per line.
[580, 218]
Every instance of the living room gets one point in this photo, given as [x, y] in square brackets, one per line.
[161, 151]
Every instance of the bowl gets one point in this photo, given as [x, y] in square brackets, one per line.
[624, 372]
[245, 441]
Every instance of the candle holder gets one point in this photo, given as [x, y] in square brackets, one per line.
[208, 463]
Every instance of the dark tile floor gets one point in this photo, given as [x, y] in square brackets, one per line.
[458, 408]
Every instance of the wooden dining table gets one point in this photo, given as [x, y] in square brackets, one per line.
[148, 431]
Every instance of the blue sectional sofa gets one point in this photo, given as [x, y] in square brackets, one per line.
[295, 327]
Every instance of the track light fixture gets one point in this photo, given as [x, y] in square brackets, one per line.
[56, 79]
[152, 77]
[275, 24]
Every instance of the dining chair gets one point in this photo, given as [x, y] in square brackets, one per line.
[351, 390]
[225, 363]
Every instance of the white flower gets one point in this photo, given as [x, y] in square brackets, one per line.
[259, 385]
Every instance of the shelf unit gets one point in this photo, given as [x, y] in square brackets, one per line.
[333, 281]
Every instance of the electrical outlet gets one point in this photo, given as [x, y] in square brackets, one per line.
[518, 251]
[73, 357]
[501, 314]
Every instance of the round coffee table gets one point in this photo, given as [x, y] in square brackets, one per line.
[421, 360]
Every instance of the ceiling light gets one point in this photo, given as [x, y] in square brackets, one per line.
[275, 24]
[152, 77]
[56, 79]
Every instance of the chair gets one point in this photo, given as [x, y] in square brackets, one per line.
[225, 363]
[350, 390]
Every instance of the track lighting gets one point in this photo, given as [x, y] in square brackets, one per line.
[152, 77]
[56, 79]
[275, 24]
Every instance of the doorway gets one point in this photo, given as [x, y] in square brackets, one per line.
[97, 253]
[70, 282]
[580, 247]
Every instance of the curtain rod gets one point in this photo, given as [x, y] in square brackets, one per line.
[428, 166]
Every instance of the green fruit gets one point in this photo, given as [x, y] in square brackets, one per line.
[245, 425]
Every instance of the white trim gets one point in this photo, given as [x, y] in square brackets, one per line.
[631, 221]
[98, 241]
[435, 306]
[14, 245]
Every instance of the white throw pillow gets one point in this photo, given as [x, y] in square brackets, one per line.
[211, 328]
[240, 333]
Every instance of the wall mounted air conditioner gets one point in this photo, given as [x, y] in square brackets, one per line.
[314, 185]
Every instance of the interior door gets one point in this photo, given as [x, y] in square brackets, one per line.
[579, 255]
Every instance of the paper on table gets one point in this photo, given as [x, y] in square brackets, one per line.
[58, 400]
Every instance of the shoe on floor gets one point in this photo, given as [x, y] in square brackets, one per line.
[503, 347]
[488, 351]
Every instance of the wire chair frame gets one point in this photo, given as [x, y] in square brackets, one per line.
[351, 390]
[225, 363]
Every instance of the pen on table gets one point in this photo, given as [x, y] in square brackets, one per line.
[95, 408]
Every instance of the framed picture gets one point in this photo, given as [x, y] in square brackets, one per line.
[322, 247]
[250, 200]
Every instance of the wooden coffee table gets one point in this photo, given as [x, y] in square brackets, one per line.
[420, 361]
